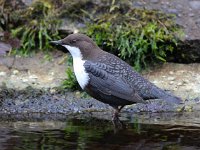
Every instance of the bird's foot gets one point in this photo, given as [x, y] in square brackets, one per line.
[118, 125]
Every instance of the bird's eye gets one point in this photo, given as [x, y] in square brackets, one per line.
[73, 41]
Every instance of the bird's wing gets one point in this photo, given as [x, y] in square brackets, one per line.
[109, 84]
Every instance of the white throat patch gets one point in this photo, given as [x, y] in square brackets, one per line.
[78, 62]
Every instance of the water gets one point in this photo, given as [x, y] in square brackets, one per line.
[92, 133]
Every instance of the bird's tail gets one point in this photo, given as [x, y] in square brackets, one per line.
[172, 99]
[168, 97]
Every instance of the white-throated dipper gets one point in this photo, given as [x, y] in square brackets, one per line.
[107, 78]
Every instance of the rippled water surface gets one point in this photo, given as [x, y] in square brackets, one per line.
[92, 133]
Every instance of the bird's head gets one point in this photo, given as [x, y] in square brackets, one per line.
[78, 44]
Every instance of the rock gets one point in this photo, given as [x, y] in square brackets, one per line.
[4, 48]
[187, 52]
[195, 4]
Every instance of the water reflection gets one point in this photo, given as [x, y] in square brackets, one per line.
[95, 134]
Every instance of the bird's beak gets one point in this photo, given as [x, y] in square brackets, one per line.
[59, 45]
[59, 42]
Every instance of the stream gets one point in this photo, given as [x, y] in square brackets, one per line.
[160, 131]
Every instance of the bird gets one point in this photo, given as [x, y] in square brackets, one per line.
[108, 78]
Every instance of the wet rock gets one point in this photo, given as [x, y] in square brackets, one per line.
[32, 100]
[152, 106]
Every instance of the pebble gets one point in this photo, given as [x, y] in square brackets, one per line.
[191, 15]
[181, 71]
[180, 83]
[185, 81]
[51, 73]
[179, 15]
[52, 90]
[171, 78]
[173, 11]
[15, 72]
[154, 1]
[13, 76]
[171, 72]
[198, 22]
[2, 73]
[155, 82]
[138, 4]
[171, 82]
[78, 94]
[33, 77]
[25, 80]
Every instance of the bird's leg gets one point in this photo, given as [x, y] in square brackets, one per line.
[115, 119]
[116, 112]
[120, 108]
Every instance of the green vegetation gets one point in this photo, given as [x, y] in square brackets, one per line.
[35, 26]
[41, 27]
[70, 82]
[139, 37]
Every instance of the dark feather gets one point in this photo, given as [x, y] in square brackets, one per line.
[104, 83]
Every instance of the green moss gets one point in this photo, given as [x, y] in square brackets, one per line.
[140, 37]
